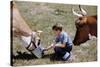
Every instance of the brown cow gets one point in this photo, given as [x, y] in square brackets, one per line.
[86, 27]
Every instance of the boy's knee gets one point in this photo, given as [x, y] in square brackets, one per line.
[69, 49]
[57, 49]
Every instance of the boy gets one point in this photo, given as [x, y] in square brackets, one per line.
[62, 44]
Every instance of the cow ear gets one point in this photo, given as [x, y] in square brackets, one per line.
[39, 32]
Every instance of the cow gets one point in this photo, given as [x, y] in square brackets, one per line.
[86, 27]
[20, 29]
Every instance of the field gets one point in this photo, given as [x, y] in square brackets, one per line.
[42, 16]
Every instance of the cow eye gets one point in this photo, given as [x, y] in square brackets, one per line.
[39, 42]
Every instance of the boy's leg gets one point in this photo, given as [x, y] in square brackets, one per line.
[62, 53]
[67, 54]
[59, 53]
[53, 57]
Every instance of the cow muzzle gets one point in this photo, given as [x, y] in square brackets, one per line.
[33, 45]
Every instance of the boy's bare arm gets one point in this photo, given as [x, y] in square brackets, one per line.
[54, 45]
[60, 45]
[49, 47]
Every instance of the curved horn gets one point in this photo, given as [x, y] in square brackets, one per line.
[79, 15]
[82, 10]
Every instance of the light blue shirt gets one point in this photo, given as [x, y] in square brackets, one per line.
[63, 38]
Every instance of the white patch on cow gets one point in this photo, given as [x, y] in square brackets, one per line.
[26, 40]
[91, 37]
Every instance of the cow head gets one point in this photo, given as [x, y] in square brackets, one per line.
[82, 29]
[37, 37]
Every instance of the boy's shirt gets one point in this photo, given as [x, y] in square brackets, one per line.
[63, 38]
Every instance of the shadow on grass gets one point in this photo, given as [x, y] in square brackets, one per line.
[23, 56]
[28, 56]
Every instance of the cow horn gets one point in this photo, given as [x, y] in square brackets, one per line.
[79, 15]
[83, 12]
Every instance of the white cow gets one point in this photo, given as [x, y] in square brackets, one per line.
[30, 39]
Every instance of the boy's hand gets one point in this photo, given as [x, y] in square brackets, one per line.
[49, 47]
[52, 45]
[45, 49]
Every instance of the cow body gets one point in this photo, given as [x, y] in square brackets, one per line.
[30, 39]
[85, 26]
[19, 26]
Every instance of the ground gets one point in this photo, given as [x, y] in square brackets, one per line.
[42, 16]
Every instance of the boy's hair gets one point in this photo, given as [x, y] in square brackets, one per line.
[57, 27]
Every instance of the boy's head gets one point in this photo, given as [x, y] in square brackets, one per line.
[57, 28]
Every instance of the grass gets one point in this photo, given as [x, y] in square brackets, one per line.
[42, 16]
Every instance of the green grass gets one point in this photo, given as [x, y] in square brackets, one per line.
[42, 16]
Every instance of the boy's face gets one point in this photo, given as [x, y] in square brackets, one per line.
[57, 32]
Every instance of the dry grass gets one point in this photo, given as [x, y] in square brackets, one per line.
[41, 16]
